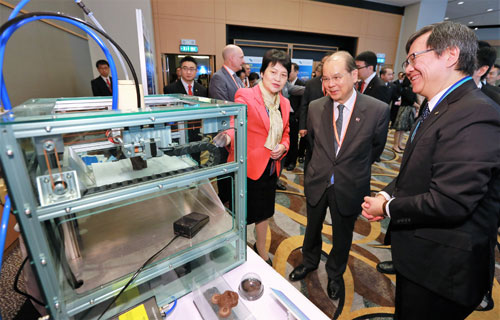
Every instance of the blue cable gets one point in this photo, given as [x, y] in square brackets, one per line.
[18, 8]
[3, 226]
[169, 311]
[8, 33]
[13, 14]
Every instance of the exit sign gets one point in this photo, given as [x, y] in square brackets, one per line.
[188, 48]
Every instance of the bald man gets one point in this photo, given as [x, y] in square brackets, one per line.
[225, 82]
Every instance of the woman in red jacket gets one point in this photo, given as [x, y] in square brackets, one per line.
[267, 141]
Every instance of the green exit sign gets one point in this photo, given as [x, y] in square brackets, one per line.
[186, 48]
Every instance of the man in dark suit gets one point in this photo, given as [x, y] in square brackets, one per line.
[187, 85]
[314, 90]
[291, 157]
[493, 75]
[444, 204]
[348, 131]
[387, 76]
[102, 86]
[223, 86]
[371, 84]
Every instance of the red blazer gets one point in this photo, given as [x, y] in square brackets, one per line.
[257, 130]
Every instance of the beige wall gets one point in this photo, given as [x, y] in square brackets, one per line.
[205, 21]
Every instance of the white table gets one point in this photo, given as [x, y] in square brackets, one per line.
[267, 307]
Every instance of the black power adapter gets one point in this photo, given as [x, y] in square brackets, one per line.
[189, 225]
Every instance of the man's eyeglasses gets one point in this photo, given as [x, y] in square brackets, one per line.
[413, 56]
[359, 68]
[188, 69]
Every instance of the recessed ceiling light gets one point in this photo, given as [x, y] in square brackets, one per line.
[489, 10]
[446, 18]
[476, 28]
[460, 2]
[471, 22]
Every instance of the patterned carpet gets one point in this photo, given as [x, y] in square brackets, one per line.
[369, 294]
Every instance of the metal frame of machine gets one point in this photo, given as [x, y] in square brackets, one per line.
[31, 212]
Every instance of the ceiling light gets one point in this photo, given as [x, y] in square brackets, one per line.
[489, 10]
[471, 22]
[446, 18]
[476, 28]
[460, 2]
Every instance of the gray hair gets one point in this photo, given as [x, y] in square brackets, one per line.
[350, 65]
[450, 34]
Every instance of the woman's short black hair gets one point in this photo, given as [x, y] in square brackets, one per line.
[274, 56]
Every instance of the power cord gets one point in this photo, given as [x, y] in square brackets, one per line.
[154, 256]
[16, 288]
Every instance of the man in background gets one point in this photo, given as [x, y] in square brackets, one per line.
[314, 90]
[186, 83]
[102, 86]
[291, 157]
[387, 76]
[371, 84]
[246, 68]
[225, 83]
[494, 75]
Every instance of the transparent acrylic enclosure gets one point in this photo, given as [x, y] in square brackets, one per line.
[97, 193]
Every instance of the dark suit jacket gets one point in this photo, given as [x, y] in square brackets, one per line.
[377, 89]
[223, 86]
[394, 93]
[364, 142]
[313, 91]
[492, 92]
[178, 87]
[447, 197]
[295, 100]
[100, 88]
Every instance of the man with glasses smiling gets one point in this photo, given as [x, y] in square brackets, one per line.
[187, 85]
[445, 203]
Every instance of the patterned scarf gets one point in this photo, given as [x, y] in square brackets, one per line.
[272, 103]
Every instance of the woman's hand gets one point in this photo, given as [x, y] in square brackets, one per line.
[278, 151]
[222, 139]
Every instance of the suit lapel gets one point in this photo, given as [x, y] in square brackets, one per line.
[355, 124]
[230, 78]
[436, 113]
[180, 87]
[327, 125]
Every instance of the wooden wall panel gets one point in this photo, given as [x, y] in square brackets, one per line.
[206, 20]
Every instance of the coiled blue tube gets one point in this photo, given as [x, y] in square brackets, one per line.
[6, 35]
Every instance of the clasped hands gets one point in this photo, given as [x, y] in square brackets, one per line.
[373, 208]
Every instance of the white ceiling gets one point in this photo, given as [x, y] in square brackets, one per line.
[474, 11]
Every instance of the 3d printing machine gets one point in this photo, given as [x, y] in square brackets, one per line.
[97, 192]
